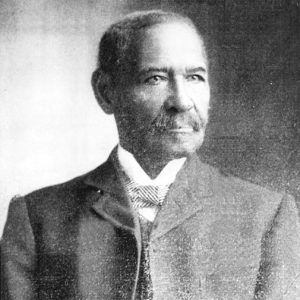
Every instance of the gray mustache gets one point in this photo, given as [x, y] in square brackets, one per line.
[166, 121]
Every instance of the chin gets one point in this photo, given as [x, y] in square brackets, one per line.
[178, 150]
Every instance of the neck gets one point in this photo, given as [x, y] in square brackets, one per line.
[151, 166]
[152, 163]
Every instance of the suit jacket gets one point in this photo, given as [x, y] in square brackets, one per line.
[216, 237]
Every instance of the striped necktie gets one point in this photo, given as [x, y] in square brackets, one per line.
[143, 196]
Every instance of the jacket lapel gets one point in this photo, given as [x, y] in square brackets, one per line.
[190, 192]
[109, 199]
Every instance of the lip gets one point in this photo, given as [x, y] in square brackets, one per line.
[182, 130]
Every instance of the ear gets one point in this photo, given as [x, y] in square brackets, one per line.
[101, 83]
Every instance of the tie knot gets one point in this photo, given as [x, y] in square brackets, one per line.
[146, 195]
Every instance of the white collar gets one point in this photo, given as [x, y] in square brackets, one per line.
[135, 172]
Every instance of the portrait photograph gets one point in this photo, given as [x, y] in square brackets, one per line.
[149, 150]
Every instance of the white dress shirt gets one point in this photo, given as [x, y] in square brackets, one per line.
[136, 174]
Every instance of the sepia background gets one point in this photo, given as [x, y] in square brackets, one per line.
[51, 128]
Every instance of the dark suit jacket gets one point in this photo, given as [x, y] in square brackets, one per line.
[216, 237]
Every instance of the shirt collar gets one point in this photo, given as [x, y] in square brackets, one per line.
[135, 172]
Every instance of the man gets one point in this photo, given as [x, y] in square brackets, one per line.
[153, 222]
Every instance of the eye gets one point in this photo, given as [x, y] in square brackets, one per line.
[195, 78]
[155, 79]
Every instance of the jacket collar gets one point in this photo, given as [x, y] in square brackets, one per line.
[187, 195]
[190, 192]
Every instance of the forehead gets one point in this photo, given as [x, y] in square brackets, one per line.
[169, 45]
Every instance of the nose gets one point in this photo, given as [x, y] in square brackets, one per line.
[179, 99]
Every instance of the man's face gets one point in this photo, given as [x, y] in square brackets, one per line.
[163, 101]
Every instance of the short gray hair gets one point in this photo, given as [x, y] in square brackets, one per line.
[118, 38]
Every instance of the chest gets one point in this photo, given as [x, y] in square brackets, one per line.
[203, 259]
[209, 258]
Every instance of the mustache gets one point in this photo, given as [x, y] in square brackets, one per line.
[167, 120]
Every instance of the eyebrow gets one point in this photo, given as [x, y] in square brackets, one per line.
[152, 69]
[195, 70]
[167, 70]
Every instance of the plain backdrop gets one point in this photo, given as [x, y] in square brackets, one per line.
[51, 128]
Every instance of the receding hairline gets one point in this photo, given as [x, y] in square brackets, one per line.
[119, 38]
[141, 34]
[143, 19]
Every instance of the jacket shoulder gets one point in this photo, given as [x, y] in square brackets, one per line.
[61, 200]
[247, 196]
[241, 185]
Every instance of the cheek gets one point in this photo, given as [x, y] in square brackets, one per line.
[146, 104]
[201, 99]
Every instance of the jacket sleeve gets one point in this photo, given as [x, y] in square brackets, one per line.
[17, 254]
[279, 276]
